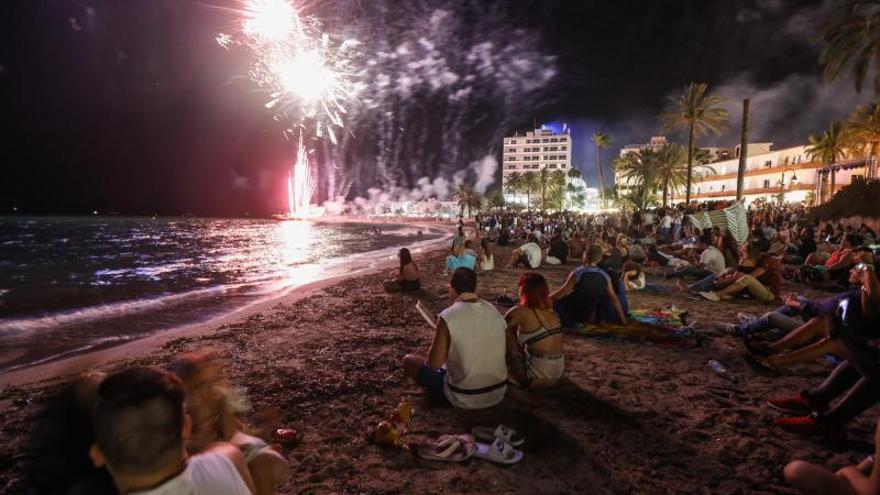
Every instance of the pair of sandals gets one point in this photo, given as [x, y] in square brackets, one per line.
[494, 445]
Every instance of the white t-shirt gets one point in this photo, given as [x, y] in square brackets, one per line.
[477, 350]
[712, 259]
[667, 222]
[205, 474]
[533, 253]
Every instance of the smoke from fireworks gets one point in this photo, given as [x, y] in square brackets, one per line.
[425, 96]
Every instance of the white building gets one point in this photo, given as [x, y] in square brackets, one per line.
[770, 173]
[532, 152]
[712, 154]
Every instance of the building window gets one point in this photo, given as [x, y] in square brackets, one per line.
[563, 148]
[698, 190]
[545, 141]
[857, 176]
[723, 186]
[766, 183]
[511, 150]
[786, 161]
[768, 164]
[511, 158]
[552, 165]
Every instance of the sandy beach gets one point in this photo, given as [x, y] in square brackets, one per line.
[630, 417]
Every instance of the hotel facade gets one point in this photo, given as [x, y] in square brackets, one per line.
[535, 151]
[787, 174]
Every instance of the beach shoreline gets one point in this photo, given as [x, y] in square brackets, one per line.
[68, 367]
[630, 416]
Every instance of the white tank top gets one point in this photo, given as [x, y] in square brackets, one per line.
[476, 353]
[205, 474]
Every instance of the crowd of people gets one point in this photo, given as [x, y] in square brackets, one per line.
[179, 430]
[477, 353]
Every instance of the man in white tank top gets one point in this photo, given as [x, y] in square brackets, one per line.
[466, 364]
[140, 436]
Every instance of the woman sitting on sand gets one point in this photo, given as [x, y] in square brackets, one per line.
[487, 256]
[459, 256]
[213, 406]
[534, 340]
[407, 275]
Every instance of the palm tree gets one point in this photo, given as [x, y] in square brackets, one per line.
[544, 181]
[700, 114]
[636, 169]
[513, 182]
[495, 199]
[851, 38]
[602, 141]
[862, 129]
[574, 173]
[670, 164]
[475, 203]
[464, 195]
[529, 181]
[828, 147]
[557, 187]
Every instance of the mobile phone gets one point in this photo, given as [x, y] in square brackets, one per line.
[861, 267]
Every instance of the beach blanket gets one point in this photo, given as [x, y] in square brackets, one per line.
[661, 326]
[732, 219]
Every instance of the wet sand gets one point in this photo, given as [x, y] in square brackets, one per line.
[630, 417]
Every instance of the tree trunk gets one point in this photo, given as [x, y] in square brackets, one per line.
[690, 170]
[665, 192]
[833, 180]
[743, 151]
[601, 175]
[872, 160]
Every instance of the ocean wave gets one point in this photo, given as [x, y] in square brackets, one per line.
[13, 326]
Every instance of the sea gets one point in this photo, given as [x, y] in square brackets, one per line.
[70, 285]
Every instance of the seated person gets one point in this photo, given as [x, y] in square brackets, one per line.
[528, 255]
[632, 278]
[534, 339]
[140, 433]
[407, 274]
[804, 246]
[636, 252]
[558, 248]
[588, 294]
[213, 406]
[757, 273]
[854, 386]
[839, 260]
[466, 364]
[487, 256]
[711, 261]
[459, 257]
[576, 246]
[813, 479]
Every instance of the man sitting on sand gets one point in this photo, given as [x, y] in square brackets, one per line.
[466, 364]
[140, 435]
[528, 255]
[588, 294]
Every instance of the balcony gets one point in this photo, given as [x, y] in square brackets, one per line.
[748, 192]
[778, 169]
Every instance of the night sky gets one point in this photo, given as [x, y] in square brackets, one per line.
[131, 106]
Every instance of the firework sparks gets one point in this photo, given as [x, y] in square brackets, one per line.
[307, 75]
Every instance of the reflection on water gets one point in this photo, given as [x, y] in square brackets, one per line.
[71, 284]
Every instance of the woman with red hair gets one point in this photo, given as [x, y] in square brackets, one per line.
[534, 331]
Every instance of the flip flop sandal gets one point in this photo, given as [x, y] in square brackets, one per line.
[488, 435]
[451, 448]
[286, 436]
[498, 451]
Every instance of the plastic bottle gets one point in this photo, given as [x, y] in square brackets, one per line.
[720, 370]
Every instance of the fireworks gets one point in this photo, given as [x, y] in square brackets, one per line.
[306, 74]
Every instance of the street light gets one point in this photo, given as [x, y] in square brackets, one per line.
[793, 182]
